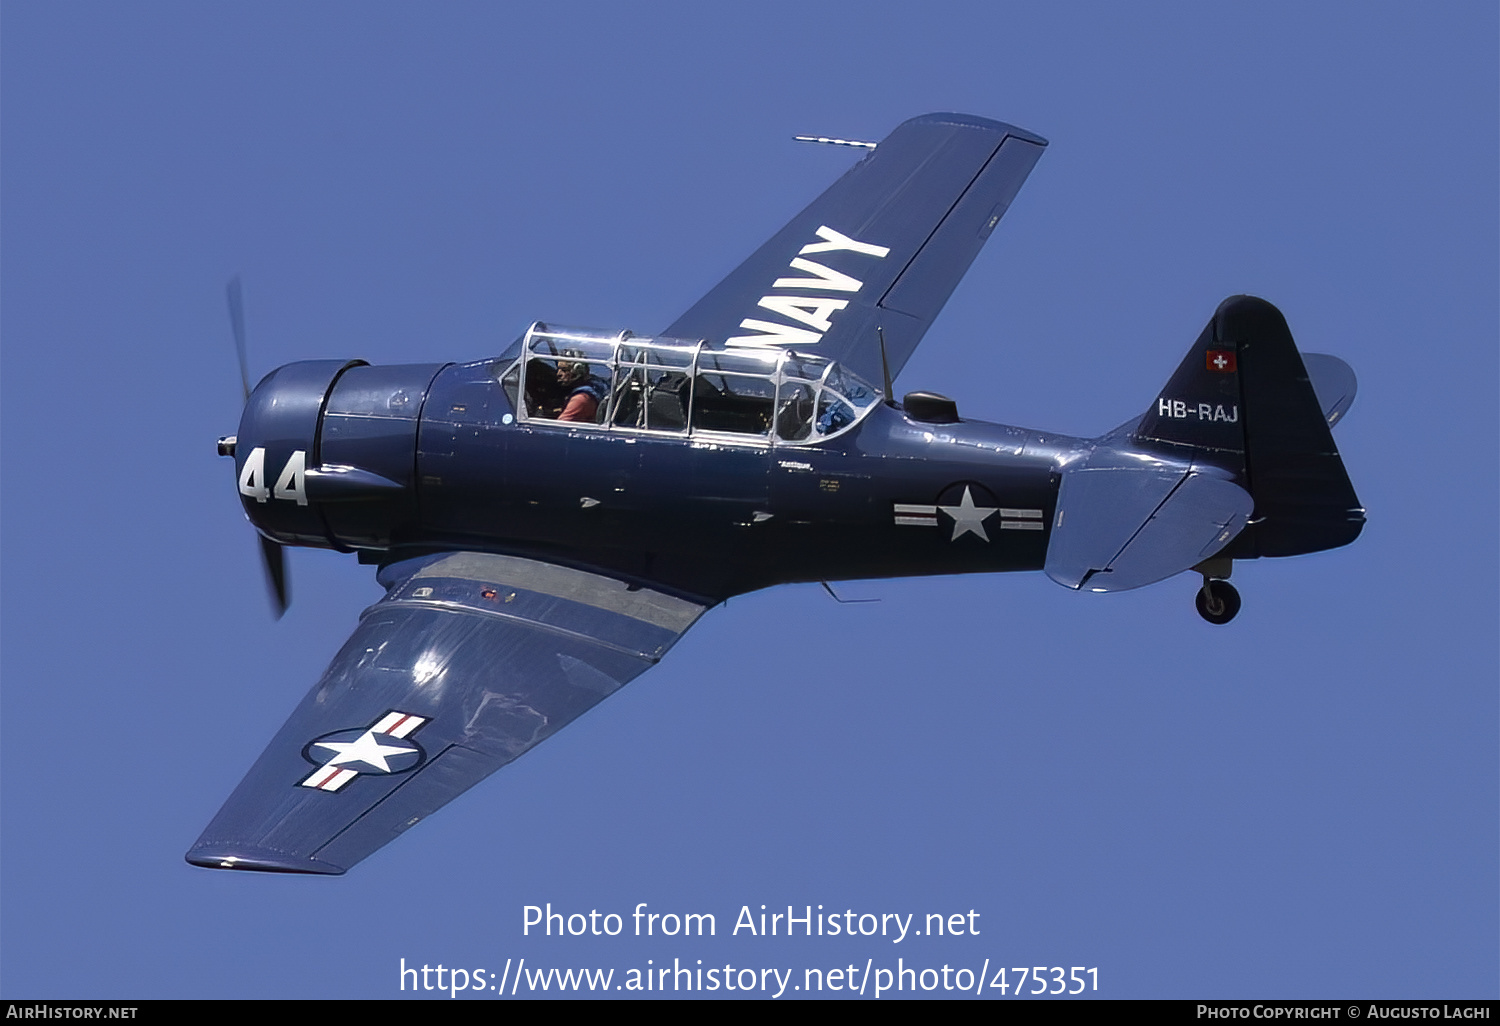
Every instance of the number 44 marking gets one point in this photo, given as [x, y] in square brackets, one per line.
[290, 485]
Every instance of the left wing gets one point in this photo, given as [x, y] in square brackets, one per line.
[469, 661]
[878, 253]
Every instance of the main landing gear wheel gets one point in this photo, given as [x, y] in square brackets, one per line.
[1218, 601]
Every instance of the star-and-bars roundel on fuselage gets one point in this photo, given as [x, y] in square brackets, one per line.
[548, 523]
[966, 507]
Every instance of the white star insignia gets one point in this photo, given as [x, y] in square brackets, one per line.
[968, 517]
[366, 750]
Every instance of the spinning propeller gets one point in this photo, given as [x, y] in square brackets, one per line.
[272, 554]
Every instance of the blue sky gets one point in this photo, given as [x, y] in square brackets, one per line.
[1301, 804]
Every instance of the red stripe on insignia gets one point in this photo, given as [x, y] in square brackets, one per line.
[333, 772]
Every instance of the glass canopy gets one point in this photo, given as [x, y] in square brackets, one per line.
[677, 387]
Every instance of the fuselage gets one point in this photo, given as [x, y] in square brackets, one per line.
[722, 474]
[716, 515]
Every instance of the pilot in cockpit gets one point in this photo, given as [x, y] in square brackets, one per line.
[582, 391]
[563, 391]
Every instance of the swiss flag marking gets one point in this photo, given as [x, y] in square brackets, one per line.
[1221, 361]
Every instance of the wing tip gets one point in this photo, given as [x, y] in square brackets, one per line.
[223, 856]
[974, 121]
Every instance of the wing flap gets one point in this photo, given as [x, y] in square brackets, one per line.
[468, 662]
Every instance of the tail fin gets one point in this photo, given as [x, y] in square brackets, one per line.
[1242, 400]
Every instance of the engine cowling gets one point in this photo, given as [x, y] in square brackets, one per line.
[326, 452]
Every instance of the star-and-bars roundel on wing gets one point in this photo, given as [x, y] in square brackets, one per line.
[380, 748]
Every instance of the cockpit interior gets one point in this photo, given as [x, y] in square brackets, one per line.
[669, 386]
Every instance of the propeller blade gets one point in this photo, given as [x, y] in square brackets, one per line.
[272, 554]
[237, 325]
[273, 557]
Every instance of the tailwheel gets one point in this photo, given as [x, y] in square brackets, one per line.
[1218, 601]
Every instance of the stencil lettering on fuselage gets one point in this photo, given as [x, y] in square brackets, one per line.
[811, 316]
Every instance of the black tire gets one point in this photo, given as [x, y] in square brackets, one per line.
[1218, 601]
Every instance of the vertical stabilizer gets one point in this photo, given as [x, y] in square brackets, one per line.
[1202, 406]
[1243, 400]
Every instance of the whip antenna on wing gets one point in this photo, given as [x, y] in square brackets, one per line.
[833, 142]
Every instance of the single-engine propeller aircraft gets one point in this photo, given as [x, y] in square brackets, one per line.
[549, 522]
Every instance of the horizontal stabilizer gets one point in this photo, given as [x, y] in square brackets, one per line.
[1334, 383]
[1122, 527]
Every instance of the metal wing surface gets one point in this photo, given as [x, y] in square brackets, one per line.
[878, 253]
[469, 661]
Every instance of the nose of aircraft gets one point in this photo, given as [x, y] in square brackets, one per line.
[326, 452]
[276, 445]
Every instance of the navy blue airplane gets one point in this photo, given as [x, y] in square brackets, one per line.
[549, 522]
